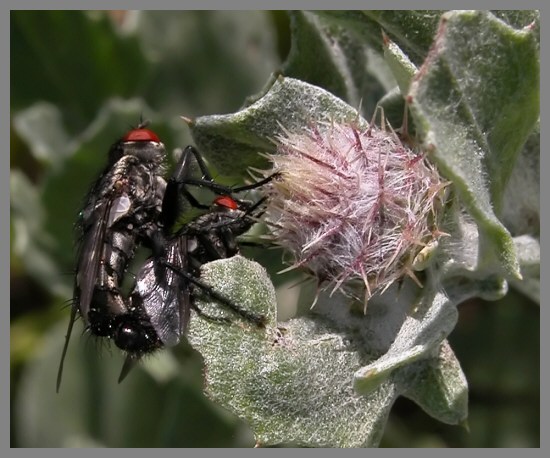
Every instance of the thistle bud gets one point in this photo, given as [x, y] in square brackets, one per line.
[353, 204]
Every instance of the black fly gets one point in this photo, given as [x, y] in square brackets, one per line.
[122, 209]
[131, 204]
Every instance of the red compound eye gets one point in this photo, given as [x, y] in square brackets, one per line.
[141, 135]
[227, 202]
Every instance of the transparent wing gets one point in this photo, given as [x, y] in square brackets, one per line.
[89, 256]
[164, 293]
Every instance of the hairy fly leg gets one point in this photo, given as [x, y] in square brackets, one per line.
[181, 178]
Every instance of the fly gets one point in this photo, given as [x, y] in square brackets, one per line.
[122, 209]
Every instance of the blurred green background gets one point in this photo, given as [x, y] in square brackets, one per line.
[78, 81]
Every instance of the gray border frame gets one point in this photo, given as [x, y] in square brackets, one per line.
[216, 4]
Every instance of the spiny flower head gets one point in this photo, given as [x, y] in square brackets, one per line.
[353, 204]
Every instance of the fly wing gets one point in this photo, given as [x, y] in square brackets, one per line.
[164, 292]
[94, 228]
[105, 213]
[89, 256]
[185, 304]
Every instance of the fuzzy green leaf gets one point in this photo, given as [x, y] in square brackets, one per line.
[348, 64]
[441, 388]
[421, 332]
[402, 68]
[475, 100]
[411, 30]
[291, 384]
[528, 249]
[235, 139]
[521, 200]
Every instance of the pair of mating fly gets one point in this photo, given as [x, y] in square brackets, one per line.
[132, 205]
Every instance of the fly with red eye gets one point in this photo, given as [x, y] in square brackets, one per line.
[132, 205]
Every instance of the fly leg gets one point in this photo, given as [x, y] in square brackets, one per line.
[181, 176]
[258, 320]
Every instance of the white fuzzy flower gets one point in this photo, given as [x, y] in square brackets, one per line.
[352, 204]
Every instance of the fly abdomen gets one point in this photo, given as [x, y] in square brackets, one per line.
[100, 324]
[108, 302]
[118, 250]
[109, 305]
[135, 334]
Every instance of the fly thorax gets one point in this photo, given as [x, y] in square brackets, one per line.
[152, 153]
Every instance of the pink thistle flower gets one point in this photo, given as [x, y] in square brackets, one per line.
[354, 204]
